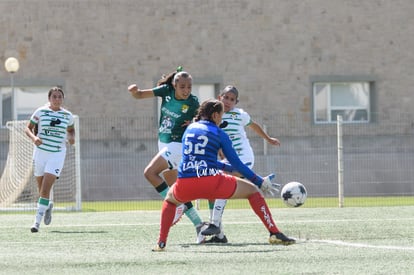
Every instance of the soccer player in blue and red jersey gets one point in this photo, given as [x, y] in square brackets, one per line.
[200, 174]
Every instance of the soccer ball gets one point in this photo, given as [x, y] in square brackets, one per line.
[293, 194]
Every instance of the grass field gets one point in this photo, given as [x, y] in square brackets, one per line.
[331, 240]
[243, 204]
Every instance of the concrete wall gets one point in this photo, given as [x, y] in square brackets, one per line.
[269, 49]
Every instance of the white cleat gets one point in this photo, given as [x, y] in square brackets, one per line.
[48, 214]
[199, 228]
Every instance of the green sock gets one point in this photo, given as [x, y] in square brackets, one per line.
[211, 208]
[43, 201]
[192, 214]
[162, 189]
[211, 205]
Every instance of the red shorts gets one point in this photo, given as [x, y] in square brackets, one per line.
[220, 186]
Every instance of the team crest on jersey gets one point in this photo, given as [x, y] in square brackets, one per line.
[184, 108]
[233, 115]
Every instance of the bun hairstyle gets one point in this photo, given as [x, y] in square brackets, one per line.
[230, 89]
[208, 108]
[173, 77]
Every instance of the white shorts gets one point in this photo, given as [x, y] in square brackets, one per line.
[46, 162]
[171, 152]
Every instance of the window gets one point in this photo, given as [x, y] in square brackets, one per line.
[203, 92]
[351, 100]
[26, 100]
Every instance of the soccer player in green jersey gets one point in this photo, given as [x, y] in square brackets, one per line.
[178, 107]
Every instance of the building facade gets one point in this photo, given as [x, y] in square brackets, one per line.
[303, 61]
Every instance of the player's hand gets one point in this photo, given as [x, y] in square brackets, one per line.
[274, 141]
[186, 123]
[37, 141]
[268, 187]
[133, 88]
[71, 140]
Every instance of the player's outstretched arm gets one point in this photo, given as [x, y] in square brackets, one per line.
[138, 93]
[260, 132]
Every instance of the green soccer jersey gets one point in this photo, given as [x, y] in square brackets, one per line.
[174, 113]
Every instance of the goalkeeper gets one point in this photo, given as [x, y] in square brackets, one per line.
[199, 174]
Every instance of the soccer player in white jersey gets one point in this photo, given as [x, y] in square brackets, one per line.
[236, 120]
[50, 127]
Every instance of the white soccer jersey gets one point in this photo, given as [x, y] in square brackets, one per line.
[237, 119]
[52, 128]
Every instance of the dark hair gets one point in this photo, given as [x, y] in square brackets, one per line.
[208, 108]
[166, 79]
[55, 89]
[173, 77]
[231, 89]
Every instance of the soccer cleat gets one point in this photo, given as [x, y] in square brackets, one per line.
[160, 247]
[216, 239]
[179, 212]
[199, 228]
[280, 238]
[211, 230]
[48, 214]
[35, 228]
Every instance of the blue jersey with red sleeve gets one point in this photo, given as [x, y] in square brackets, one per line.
[201, 142]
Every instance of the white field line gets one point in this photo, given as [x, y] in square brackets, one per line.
[361, 245]
[186, 223]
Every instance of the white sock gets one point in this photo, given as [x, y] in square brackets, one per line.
[40, 213]
[218, 212]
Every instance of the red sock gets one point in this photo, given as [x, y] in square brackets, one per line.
[259, 206]
[167, 217]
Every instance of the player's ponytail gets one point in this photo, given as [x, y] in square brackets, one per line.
[173, 77]
[166, 79]
[208, 108]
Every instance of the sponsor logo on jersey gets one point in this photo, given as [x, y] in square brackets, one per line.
[201, 168]
[166, 125]
[55, 122]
